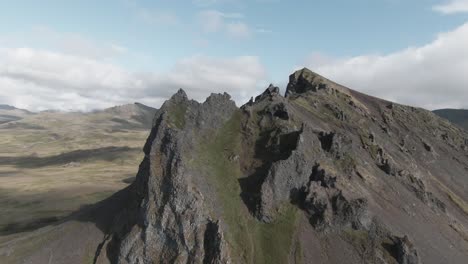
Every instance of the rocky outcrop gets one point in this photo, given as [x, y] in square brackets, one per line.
[406, 254]
[305, 80]
[325, 174]
[174, 222]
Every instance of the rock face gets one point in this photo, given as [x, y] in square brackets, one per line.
[173, 220]
[322, 175]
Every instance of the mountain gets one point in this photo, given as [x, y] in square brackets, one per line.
[53, 163]
[139, 113]
[324, 174]
[456, 116]
[9, 113]
[6, 107]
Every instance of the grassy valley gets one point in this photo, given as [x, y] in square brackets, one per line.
[53, 163]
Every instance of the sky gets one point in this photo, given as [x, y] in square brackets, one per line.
[86, 55]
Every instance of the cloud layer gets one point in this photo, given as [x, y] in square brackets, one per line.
[452, 7]
[431, 76]
[40, 79]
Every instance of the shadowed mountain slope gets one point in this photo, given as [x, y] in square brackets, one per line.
[9, 113]
[323, 175]
[456, 116]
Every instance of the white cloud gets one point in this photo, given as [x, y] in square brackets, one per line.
[238, 30]
[430, 76]
[239, 76]
[212, 21]
[68, 43]
[38, 79]
[452, 7]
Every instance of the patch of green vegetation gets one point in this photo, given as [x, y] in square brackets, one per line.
[460, 230]
[458, 201]
[177, 115]
[273, 241]
[373, 149]
[251, 241]
[347, 163]
[298, 254]
[364, 138]
[358, 238]
[453, 197]
[366, 245]
[303, 103]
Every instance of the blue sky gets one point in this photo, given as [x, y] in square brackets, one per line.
[150, 43]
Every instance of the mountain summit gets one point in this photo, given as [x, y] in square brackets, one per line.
[323, 175]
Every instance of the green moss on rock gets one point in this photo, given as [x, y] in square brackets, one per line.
[251, 241]
[177, 115]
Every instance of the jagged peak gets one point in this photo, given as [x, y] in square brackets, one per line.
[179, 97]
[305, 80]
[271, 91]
[180, 94]
[307, 73]
[215, 97]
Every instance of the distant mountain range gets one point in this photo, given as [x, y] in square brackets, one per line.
[135, 115]
[456, 116]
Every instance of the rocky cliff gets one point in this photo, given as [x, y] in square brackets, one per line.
[322, 175]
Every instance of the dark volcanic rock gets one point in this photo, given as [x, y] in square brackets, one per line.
[406, 254]
[305, 80]
[270, 92]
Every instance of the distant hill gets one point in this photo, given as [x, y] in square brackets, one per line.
[70, 158]
[137, 113]
[128, 116]
[6, 107]
[456, 116]
[10, 113]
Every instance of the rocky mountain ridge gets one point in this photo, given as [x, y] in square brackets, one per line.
[325, 175]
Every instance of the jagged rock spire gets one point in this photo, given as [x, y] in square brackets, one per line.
[304, 80]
